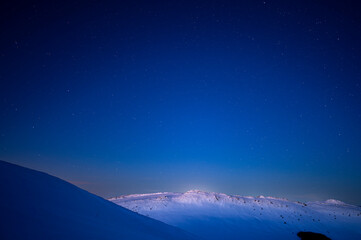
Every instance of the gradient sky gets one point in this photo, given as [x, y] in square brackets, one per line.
[240, 97]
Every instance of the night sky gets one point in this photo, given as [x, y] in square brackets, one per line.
[239, 97]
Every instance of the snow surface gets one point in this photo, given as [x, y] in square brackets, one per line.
[220, 216]
[35, 205]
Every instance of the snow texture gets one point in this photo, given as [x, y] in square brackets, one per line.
[35, 205]
[221, 216]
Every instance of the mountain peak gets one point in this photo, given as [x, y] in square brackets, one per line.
[194, 191]
[334, 201]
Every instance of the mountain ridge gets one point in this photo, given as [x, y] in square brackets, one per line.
[217, 215]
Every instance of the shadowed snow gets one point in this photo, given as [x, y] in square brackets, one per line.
[35, 205]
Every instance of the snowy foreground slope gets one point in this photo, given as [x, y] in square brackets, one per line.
[220, 216]
[35, 205]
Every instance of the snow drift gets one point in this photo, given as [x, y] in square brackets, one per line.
[221, 216]
[35, 205]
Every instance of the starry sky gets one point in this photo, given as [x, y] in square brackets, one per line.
[240, 97]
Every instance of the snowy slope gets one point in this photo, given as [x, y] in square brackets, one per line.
[35, 205]
[220, 216]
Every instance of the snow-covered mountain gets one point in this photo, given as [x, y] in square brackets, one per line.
[221, 216]
[35, 205]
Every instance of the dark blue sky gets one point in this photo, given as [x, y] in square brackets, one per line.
[241, 97]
